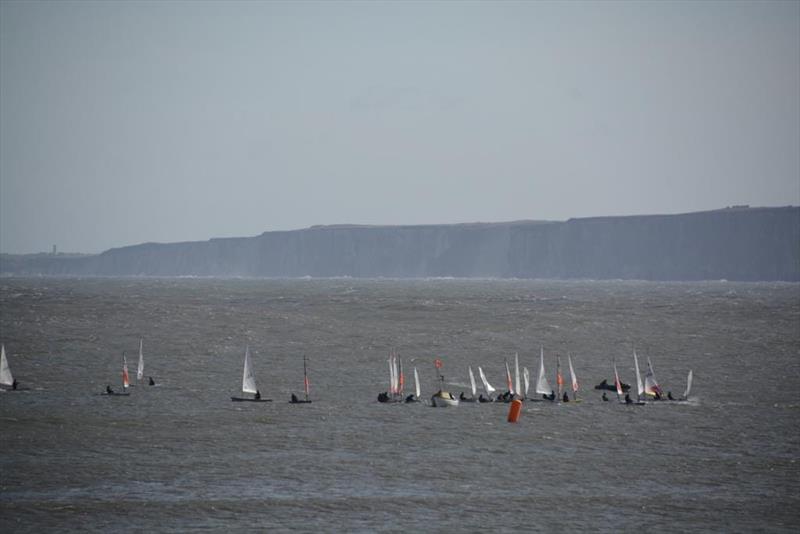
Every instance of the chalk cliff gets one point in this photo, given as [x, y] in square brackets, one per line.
[733, 244]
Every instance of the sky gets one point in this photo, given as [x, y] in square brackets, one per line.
[131, 122]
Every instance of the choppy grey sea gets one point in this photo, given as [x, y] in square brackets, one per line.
[181, 456]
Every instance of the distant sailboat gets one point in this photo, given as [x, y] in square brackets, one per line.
[249, 381]
[416, 383]
[487, 387]
[140, 368]
[526, 376]
[542, 385]
[651, 387]
[617, 383]
[126, 383]
[294, 399]
[688, 387]
[574, 379]
[509, 384]
[6, 378]
[639, 384]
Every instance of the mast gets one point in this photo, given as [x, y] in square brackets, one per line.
[508, 379]
[416, 383]
[559, 378]
[516, 374]
[305, 376]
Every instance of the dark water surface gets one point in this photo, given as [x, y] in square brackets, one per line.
[181, 456]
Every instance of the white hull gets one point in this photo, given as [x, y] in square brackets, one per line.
[440, 401]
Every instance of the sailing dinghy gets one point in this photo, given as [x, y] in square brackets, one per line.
[473, 388]
[415, 396]
[249, 382]
[542, 385]
[685, 396]
[486, 386]
[126, 383]
[651, 387]
[6, 378]
[573, 377]
[294, 399]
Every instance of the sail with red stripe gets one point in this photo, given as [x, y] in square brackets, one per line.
[573, 377]
[125, 380]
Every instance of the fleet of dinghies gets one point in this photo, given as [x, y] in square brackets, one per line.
[648, 389]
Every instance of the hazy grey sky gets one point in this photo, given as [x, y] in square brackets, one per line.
[122, 123]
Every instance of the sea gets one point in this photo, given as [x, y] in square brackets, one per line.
[181, 457]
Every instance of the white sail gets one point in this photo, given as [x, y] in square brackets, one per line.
[472, 382]
[486, 385]
[140, 368]
[572, 376]
[125, 380]
[617, 382]
[516, 373]
[416, 382]
[639, 385]
[508, 379]
[542, 385]
[6, 377]
[526, 376]
[651, 386]
[248, 377]
[688, 385]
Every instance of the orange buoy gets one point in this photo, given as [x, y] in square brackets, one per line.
[516, 409]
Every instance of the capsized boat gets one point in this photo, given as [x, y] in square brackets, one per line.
[249, 382]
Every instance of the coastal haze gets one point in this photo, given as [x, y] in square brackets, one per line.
[461, 181]
[138, 122]
[181, 456]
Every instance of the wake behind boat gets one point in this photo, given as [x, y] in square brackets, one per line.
[249, 382]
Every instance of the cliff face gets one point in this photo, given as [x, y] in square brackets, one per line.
[733, 244]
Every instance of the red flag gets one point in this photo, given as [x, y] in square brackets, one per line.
[438, 363]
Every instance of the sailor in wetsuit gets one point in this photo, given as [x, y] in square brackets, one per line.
[258, 395]
[152, 382]
[109, 391]
[565, 398]
[294, 400]
[628, 399]
[605, 398]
